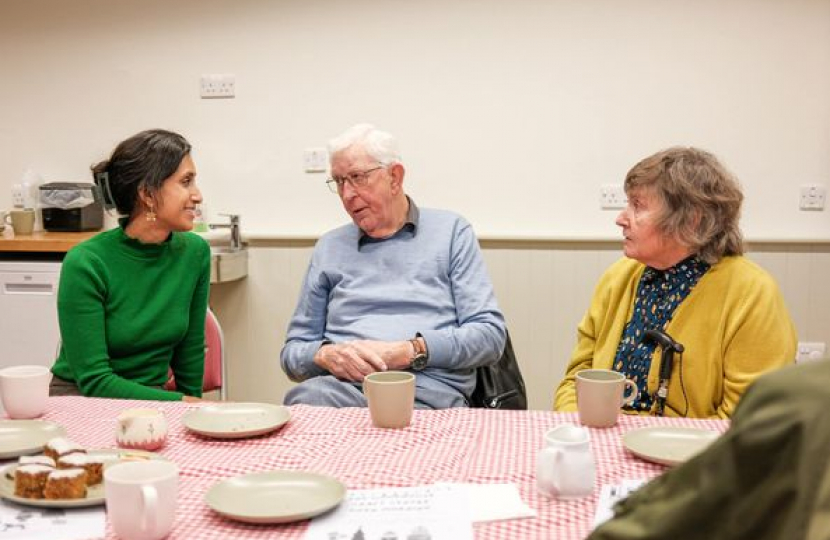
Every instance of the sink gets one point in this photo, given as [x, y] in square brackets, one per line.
[227, 264]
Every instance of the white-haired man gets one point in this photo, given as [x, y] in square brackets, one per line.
[399, 288]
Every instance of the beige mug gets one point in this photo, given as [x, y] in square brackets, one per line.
[391, 397]
[22, 221]
[141, 498]
[24, 391]
[599, 395]
[3, 215]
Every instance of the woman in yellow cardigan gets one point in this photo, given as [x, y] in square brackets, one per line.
[684, 274]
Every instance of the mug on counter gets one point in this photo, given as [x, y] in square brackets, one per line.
[21, 220]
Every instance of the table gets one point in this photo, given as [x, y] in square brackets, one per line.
[456, 445]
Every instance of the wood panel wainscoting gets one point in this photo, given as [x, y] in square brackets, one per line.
[543, 287]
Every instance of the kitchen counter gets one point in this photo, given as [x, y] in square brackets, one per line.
[42, 242]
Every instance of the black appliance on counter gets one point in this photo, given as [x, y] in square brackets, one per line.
[71, 207]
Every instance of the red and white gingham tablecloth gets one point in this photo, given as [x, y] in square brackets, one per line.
[456, 445]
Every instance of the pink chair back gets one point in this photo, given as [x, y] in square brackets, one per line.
[214, 354]
[214, 358]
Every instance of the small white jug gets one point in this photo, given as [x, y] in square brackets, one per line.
[145, 429]
[565, 466]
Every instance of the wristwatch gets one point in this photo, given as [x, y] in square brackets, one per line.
[419, 361]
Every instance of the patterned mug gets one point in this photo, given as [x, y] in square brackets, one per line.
[145, 429]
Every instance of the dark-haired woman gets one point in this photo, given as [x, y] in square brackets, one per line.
[132, 300]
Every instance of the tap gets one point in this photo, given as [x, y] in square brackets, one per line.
[236, 238]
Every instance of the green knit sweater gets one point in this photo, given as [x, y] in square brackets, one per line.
[129, 311]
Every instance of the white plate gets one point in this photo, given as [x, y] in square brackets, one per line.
[668, 445]
[236, 420]
[94, 494]
[275, 496]
[21, 437]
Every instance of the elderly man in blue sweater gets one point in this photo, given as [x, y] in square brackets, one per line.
[399, 288]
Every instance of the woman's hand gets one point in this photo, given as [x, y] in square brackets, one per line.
[191, 399]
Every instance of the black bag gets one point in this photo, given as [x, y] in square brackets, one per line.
[500, 385]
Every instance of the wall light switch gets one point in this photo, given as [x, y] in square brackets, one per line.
[315, 159]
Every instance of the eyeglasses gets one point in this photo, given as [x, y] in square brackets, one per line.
[357, 180]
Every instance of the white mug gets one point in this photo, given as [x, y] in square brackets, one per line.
[145, 429]
[141, 498]
[25, 390]
[565, 466]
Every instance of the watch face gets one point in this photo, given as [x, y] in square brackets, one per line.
[419, 362]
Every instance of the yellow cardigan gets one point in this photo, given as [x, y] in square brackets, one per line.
[734, 326]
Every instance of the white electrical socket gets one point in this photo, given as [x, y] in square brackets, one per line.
[217, 86]
[612, 197]
[315, 159]
[810, 351]
[812, 197]
[18, 196]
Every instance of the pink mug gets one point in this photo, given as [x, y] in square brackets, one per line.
[141, 498]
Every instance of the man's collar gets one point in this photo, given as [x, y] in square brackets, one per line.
[411, 223]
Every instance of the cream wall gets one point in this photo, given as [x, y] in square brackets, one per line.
[542, 287]
[511, 113]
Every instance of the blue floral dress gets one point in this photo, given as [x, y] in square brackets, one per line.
[658, 295]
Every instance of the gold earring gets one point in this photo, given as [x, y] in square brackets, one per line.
[150, 215]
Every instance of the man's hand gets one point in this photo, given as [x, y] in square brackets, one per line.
[353, 360]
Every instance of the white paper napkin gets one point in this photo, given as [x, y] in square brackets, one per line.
[494, 502]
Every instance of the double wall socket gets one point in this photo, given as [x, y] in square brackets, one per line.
[217, 86]
[612, 197]
[810, 351]
[18, 196]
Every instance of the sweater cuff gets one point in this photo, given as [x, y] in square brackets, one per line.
[306, 368]
[439, 348]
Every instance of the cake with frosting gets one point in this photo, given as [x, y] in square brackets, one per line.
[61, 446]
[65, 484]
[38, 460]
[93, 465]
[29, 480]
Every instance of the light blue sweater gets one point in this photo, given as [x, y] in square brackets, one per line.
[428, 279]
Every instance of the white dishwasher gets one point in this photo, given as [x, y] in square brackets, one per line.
[29, 331]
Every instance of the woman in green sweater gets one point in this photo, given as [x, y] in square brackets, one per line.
[132, 300]
[685, 275]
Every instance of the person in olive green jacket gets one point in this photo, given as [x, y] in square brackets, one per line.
[767, 477]
[132, 301]
[684, 275]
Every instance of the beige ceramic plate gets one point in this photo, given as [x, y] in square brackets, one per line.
[236, 420]
[21, 437]
[667, 445]
[94, 494]
[275, 496]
